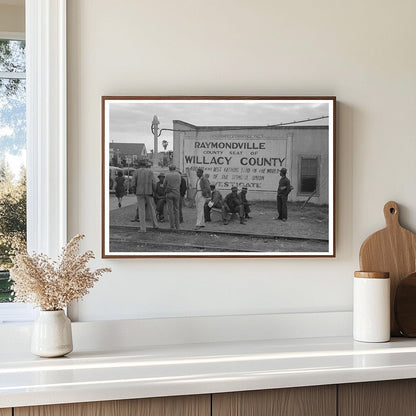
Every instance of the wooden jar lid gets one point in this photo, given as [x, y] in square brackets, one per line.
[372, 275]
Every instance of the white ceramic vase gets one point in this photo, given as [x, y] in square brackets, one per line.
[52, 334]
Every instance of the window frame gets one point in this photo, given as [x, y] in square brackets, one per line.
[46, 125]
[46, 138]
[318, 175]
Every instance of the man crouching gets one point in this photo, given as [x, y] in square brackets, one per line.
[233, 204]
[216, 201]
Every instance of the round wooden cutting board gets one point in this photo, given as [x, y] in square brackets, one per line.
[393, 250]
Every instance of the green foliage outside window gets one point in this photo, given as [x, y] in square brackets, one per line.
[5, 292]
[12, 145]
[12, 223]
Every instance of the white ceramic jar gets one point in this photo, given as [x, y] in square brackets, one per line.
[371, 309]
[52, 334]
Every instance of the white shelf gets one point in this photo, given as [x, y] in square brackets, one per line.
[151, 371]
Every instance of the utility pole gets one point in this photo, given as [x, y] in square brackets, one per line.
[155, 130]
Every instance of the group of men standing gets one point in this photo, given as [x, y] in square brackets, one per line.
[169, 184]
[171, 190]
[168, 190]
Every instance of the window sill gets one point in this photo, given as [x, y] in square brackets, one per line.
[16, 313]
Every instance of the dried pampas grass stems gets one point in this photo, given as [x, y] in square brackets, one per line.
[53, 285]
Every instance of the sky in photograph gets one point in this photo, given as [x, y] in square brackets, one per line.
[130, 121]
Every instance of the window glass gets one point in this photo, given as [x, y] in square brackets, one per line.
[12, 155]
[12, 55]
[309, 174]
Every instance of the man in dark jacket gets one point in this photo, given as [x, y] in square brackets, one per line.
[160, 198]
[182, 190]
[233, 204]
[246, 205]
[172, 186]
[283, 191]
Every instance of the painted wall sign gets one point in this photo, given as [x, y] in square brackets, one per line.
[240, 160]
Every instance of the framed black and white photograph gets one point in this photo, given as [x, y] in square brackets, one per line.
[218, 176]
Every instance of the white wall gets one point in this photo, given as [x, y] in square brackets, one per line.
[361, 51]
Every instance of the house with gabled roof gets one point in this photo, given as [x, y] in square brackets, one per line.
[127, 154]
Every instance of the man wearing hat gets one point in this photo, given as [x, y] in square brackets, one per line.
[246, 205]
[172, 186]
[182, 189]
[203, 192]
[144, 183]
[282, 193]
[160, 198]
[216, 201]
[233, 204]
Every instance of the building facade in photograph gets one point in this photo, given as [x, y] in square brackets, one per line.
[126, 154]
[252, 156]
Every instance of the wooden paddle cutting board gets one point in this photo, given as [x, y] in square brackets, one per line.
[393, 250]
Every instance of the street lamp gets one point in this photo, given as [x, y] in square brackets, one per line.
[156, 134]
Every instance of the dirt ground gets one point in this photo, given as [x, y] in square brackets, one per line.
[306, 230]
